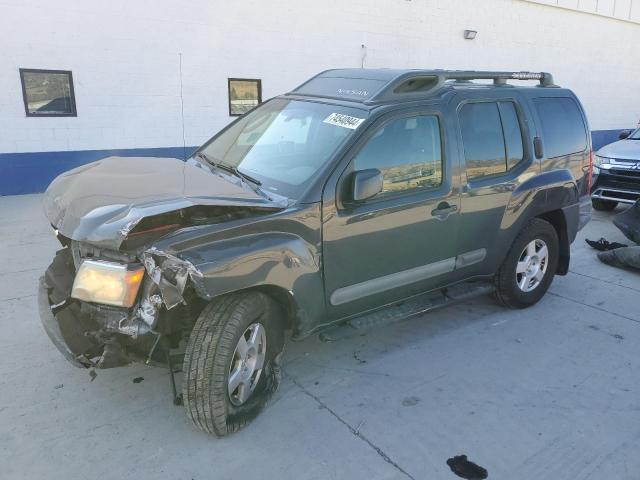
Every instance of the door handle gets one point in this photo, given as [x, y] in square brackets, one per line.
[443, 210]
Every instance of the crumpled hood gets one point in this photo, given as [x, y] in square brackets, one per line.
[102, 201]
[622, 149]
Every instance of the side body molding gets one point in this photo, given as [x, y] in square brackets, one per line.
[406, 277]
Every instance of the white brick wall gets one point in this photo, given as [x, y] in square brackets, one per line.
[124, 57]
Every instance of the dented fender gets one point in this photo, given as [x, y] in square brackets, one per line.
[220, 261]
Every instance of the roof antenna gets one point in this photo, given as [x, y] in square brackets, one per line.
[363, 54]
[184, 142]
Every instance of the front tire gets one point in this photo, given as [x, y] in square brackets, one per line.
[231, 361]
[603, 205]
[529, 268]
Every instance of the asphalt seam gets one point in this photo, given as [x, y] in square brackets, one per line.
[594, 307]
[17, 298]
[604, 281]
[354, 431]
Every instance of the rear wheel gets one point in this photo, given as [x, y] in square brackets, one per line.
[530, 265]
[231, 365]
[603, 205]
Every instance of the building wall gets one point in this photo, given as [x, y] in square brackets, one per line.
[127, 56]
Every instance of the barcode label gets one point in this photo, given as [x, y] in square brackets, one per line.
[344, 121]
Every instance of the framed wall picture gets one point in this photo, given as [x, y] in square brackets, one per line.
[48, 93]
[244, 94]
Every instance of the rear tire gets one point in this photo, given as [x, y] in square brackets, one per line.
[529, 267]
[213, 356]
[603, 205]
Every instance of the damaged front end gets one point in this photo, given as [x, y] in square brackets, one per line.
[93, 335]
[107, 216]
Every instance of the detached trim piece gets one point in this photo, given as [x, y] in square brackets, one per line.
[377, 285]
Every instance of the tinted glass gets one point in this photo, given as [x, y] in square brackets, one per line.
[562, 126]
[512, 134]
[408, 153]
[48, 93]
[482, 139]
[283, 143]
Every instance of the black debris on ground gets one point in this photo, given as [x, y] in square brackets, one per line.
[603, 244]
[466, 469]
[59, 386]
[138, 379]
[93, 374]
[357, 358]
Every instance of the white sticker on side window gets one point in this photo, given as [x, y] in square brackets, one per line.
[344, 121]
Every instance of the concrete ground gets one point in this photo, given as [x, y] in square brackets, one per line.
[551, 392]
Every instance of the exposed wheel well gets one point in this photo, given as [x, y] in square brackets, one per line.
[556, 218]
[283, 298]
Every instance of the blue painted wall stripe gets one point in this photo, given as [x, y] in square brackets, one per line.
[600, 138]
[32, 172]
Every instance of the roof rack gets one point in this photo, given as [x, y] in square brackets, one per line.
[421, 82]
[379, 85]
[500, 78]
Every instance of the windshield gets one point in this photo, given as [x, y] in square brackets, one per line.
[283, 143]
[635, 135]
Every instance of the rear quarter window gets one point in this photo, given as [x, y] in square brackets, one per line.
[563, 129]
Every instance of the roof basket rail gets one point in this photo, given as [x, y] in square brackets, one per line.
[500, 78]
[419, 82]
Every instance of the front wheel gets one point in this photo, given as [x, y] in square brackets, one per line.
[230, 366]
[530, 265]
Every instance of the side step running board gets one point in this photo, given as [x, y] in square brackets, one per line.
[414, 307]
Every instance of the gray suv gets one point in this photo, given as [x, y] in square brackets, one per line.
[360, 198]
[616, 172]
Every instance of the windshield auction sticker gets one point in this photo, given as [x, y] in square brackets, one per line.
[344, 121]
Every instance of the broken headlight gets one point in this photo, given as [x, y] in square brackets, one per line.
[108, 283]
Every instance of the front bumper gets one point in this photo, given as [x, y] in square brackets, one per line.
[86, 335]
[617, 185]
[52, 327]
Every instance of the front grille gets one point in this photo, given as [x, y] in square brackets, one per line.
[625, 173]
[620, 179]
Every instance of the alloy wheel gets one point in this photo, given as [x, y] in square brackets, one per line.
[247, 363]
[532, 265]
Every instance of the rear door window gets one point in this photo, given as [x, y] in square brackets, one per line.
[492, 138]
[563, 128]
[512, 134]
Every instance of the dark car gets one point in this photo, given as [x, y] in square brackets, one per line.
[616, 172]
[361, 197]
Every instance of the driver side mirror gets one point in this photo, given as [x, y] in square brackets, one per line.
[366, 184]
[624, 134]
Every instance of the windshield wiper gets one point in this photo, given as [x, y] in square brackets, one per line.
[247, 179]
[237, 173]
